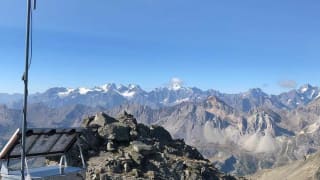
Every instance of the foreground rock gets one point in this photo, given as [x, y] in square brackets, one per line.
[123, 149]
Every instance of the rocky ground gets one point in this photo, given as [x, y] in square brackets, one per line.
[123, 149]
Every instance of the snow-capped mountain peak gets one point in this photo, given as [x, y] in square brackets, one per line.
[175, 84]
[305, 88]
[175, 87]
[121, 87]
[107, 87]
[308, 91]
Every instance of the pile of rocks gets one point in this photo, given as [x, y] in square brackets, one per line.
[123, 149]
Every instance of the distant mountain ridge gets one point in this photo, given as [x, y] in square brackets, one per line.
[112, 95]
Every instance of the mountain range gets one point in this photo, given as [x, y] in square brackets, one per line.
[240, 133]
[112, 95]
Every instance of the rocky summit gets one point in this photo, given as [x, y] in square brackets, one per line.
[120, 148]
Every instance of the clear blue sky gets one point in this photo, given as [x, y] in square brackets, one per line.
[226, 45]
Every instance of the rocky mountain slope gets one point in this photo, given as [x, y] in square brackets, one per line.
[304, 169]
[123, 149]
[238, 142]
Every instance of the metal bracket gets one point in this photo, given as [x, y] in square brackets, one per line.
[63, 163]
[81, 154]
[4, 168]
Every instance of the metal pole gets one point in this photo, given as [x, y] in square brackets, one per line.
[25, 79]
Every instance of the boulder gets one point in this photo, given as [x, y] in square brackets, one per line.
[159, 133]
[135, 173]
[101, 119]
[136, 157]
[142, 148]
[144, 131]
[86, 121]
[128, 119]
[115, 131]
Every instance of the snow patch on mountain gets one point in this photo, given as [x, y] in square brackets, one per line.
[121, 86]
[304, 89]
[133, 86]
[66, 93]
[312, 93]
[105, 87]
[84, 91]
[128, 93]
[178, 101]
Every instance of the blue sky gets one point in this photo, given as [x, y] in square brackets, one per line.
[226, 45]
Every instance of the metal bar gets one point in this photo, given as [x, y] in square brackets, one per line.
[81, 154]
[63, 159]
[55, 142]
[32, 144]
[72, 142]
[25, 79]
[39, 154]
[10, 145]
[62, 133]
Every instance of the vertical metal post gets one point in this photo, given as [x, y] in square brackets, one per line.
[81, 154]
[25, 80]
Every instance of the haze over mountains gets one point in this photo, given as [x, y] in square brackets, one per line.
[241, 133]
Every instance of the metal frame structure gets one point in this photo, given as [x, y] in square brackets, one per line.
[42, 142]
[21, 145]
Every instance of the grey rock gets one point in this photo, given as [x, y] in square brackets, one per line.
[133, 134]
[116, 131]
[101, 119]
[136, 157]
[128, 119]
[135, 173]
[110, 146]
[142, 148]
[144, 131]
[160, 134]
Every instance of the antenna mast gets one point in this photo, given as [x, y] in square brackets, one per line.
[25, 80]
